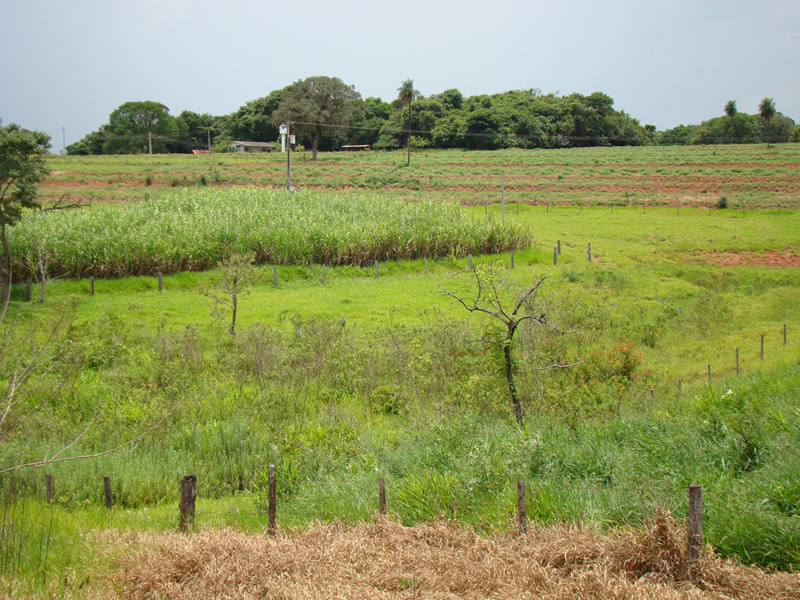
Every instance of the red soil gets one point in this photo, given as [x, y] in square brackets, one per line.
[786, 258]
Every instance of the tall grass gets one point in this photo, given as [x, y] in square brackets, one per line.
[195, 229]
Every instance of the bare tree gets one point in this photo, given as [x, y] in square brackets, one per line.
[492, 298]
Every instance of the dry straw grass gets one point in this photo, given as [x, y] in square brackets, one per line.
[437, 560]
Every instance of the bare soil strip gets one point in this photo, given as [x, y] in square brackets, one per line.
[785, 258]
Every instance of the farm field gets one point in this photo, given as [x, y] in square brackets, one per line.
[338, 376]
[745, 176]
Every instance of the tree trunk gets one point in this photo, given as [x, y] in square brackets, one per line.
[235, 305]
[512, 388]
[235, 308]
[5, 267]
[315, 145]
[408, 138]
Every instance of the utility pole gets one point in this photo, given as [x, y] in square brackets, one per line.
[208, 130]
[289, 156]
[150, 148]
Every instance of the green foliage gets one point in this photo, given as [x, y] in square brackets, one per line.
[318, 104]
[22, 166]
[130, 124]
[253, 121]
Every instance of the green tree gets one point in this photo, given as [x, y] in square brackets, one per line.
[452, 99]
[319, 104]
[253, 121]
[407, 94]
[22, 166]
[195, 130]
[376, 114]
[91, 143]
[133, 122]
[766, 109]
[730, 111]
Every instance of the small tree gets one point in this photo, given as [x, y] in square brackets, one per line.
[491, 298]
[22, 166]
[236, 274]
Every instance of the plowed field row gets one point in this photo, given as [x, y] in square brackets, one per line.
[752, 176]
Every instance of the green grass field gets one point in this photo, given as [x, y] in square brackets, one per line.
[338, 377]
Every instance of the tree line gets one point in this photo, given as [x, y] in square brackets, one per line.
[325, 114]
[766, 126]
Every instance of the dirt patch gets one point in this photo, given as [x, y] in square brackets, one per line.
[439, 560]
[785, 258]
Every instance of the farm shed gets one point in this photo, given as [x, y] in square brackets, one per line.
[237, 146]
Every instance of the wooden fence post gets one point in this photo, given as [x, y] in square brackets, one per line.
[324, 269]
[522, 509]
[555, 256]
[275, 275]
[502, 198]
[784, 334]
[382, 495]
[709, 373]
[48, 486]
[188, 496]
[272, 501]
[558, 246]
[695, 528]
[680, 388]
[426, 265]
[376, 268]
[590, 251]
[469, 261]
[512, 259]
[652, 396]
[107, 489]
[762, 346]
[737, 361]
[160, 283]
[91, 286]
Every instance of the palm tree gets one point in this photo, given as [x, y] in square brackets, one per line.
[730, 110]
[767, 110]
[407, 94]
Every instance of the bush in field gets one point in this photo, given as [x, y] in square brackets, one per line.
[196, 229]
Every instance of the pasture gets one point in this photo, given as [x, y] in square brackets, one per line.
[339, 377]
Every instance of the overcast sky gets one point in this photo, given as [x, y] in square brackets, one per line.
[670, 62]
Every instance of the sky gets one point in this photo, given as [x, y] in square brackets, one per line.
[65, 66]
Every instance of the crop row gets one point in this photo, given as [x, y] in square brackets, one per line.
[195, 229]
